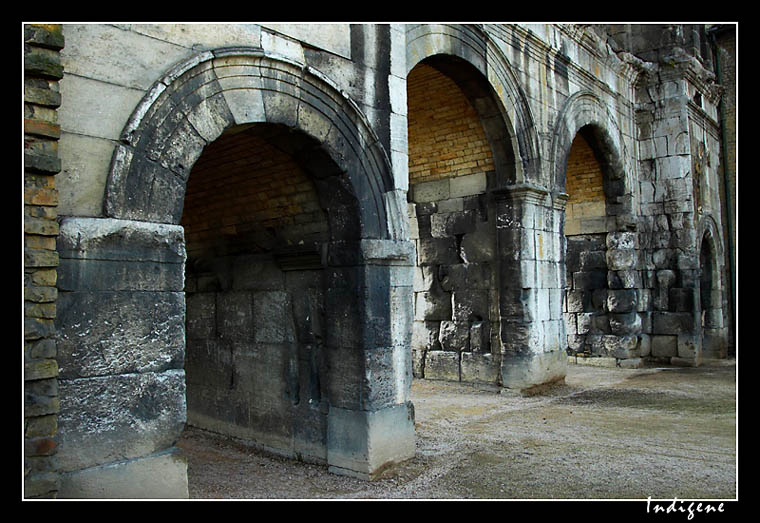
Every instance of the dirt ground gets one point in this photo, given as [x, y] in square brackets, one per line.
[606, 433]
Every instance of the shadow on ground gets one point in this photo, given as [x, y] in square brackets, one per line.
[605, 433]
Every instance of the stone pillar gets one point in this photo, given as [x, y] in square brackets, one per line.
[121, 347]
[369, 317]
[529, 243]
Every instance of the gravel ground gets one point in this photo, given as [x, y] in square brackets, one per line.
[606, 433]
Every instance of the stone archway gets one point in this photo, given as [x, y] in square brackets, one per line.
[524, 219]
[601, 247]
[369, 422]
[711, 320]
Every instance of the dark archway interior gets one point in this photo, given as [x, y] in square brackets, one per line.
[258, 222]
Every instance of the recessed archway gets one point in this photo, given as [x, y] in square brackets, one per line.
[296, 110]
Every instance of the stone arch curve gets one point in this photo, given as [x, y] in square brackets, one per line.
[473, 45]
[197, 100]
[580, 110]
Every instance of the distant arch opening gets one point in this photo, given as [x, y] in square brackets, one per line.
[458, 150]
[586, 246]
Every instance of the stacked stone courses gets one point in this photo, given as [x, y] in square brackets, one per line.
[42, 71]
[268, 230]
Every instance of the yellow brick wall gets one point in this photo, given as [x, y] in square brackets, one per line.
[241, 182]
[583, 181]
[446, 137]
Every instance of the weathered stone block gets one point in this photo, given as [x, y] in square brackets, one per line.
[480, 337]
[470, 305]
[664, 346]
[624, 324]
[272, 321]
[433, 305]
[442, 365]
[235, 315]
[425, 335]
[454, 336]
[437, 251]
[159, 476]
[102, 333]
[444, 225]
[622, 300]
[112, 418]
[590, 260]
[680, 299]
[622, 347]
[621, 259]
[479, 368]
[468, 185]
[587, 280]
[672, 322]
[479, 245]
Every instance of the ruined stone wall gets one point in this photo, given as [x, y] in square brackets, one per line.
[42, 73]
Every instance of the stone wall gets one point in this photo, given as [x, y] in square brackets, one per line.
[42, 72]
[459, 252]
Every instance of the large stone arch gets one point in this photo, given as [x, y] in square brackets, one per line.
[196, 101]
[136, 254]
[473, 45]
[585, 109]
[526, 343]
[602, 266]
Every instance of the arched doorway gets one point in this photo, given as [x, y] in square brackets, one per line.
[257, 239]
[586, 249]
[459, 151]
[221, 100]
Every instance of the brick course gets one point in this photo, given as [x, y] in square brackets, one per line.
[446, 138]
[42, 70]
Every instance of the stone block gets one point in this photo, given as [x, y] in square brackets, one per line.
[444, 225]
[590, 260]
[622, 300]
[468, 185]
[434, 305]
[622, 347]
[454, 336]
[672, 323]
[575, 300]
[442, 365]
[105, 419]
[272, 320]
[523, 371]
[588, 280]
[425, 335]
[161, 475]
[479, 245]
[680, 299]
[479, 368]
[235, 313]
[621, 259]
[104, 333]
[469, 305]
[664, 346]
[625, 324]
[431, 191]
[360, 443]
[437, 251]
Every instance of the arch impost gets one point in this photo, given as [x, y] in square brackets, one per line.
[527, 192]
